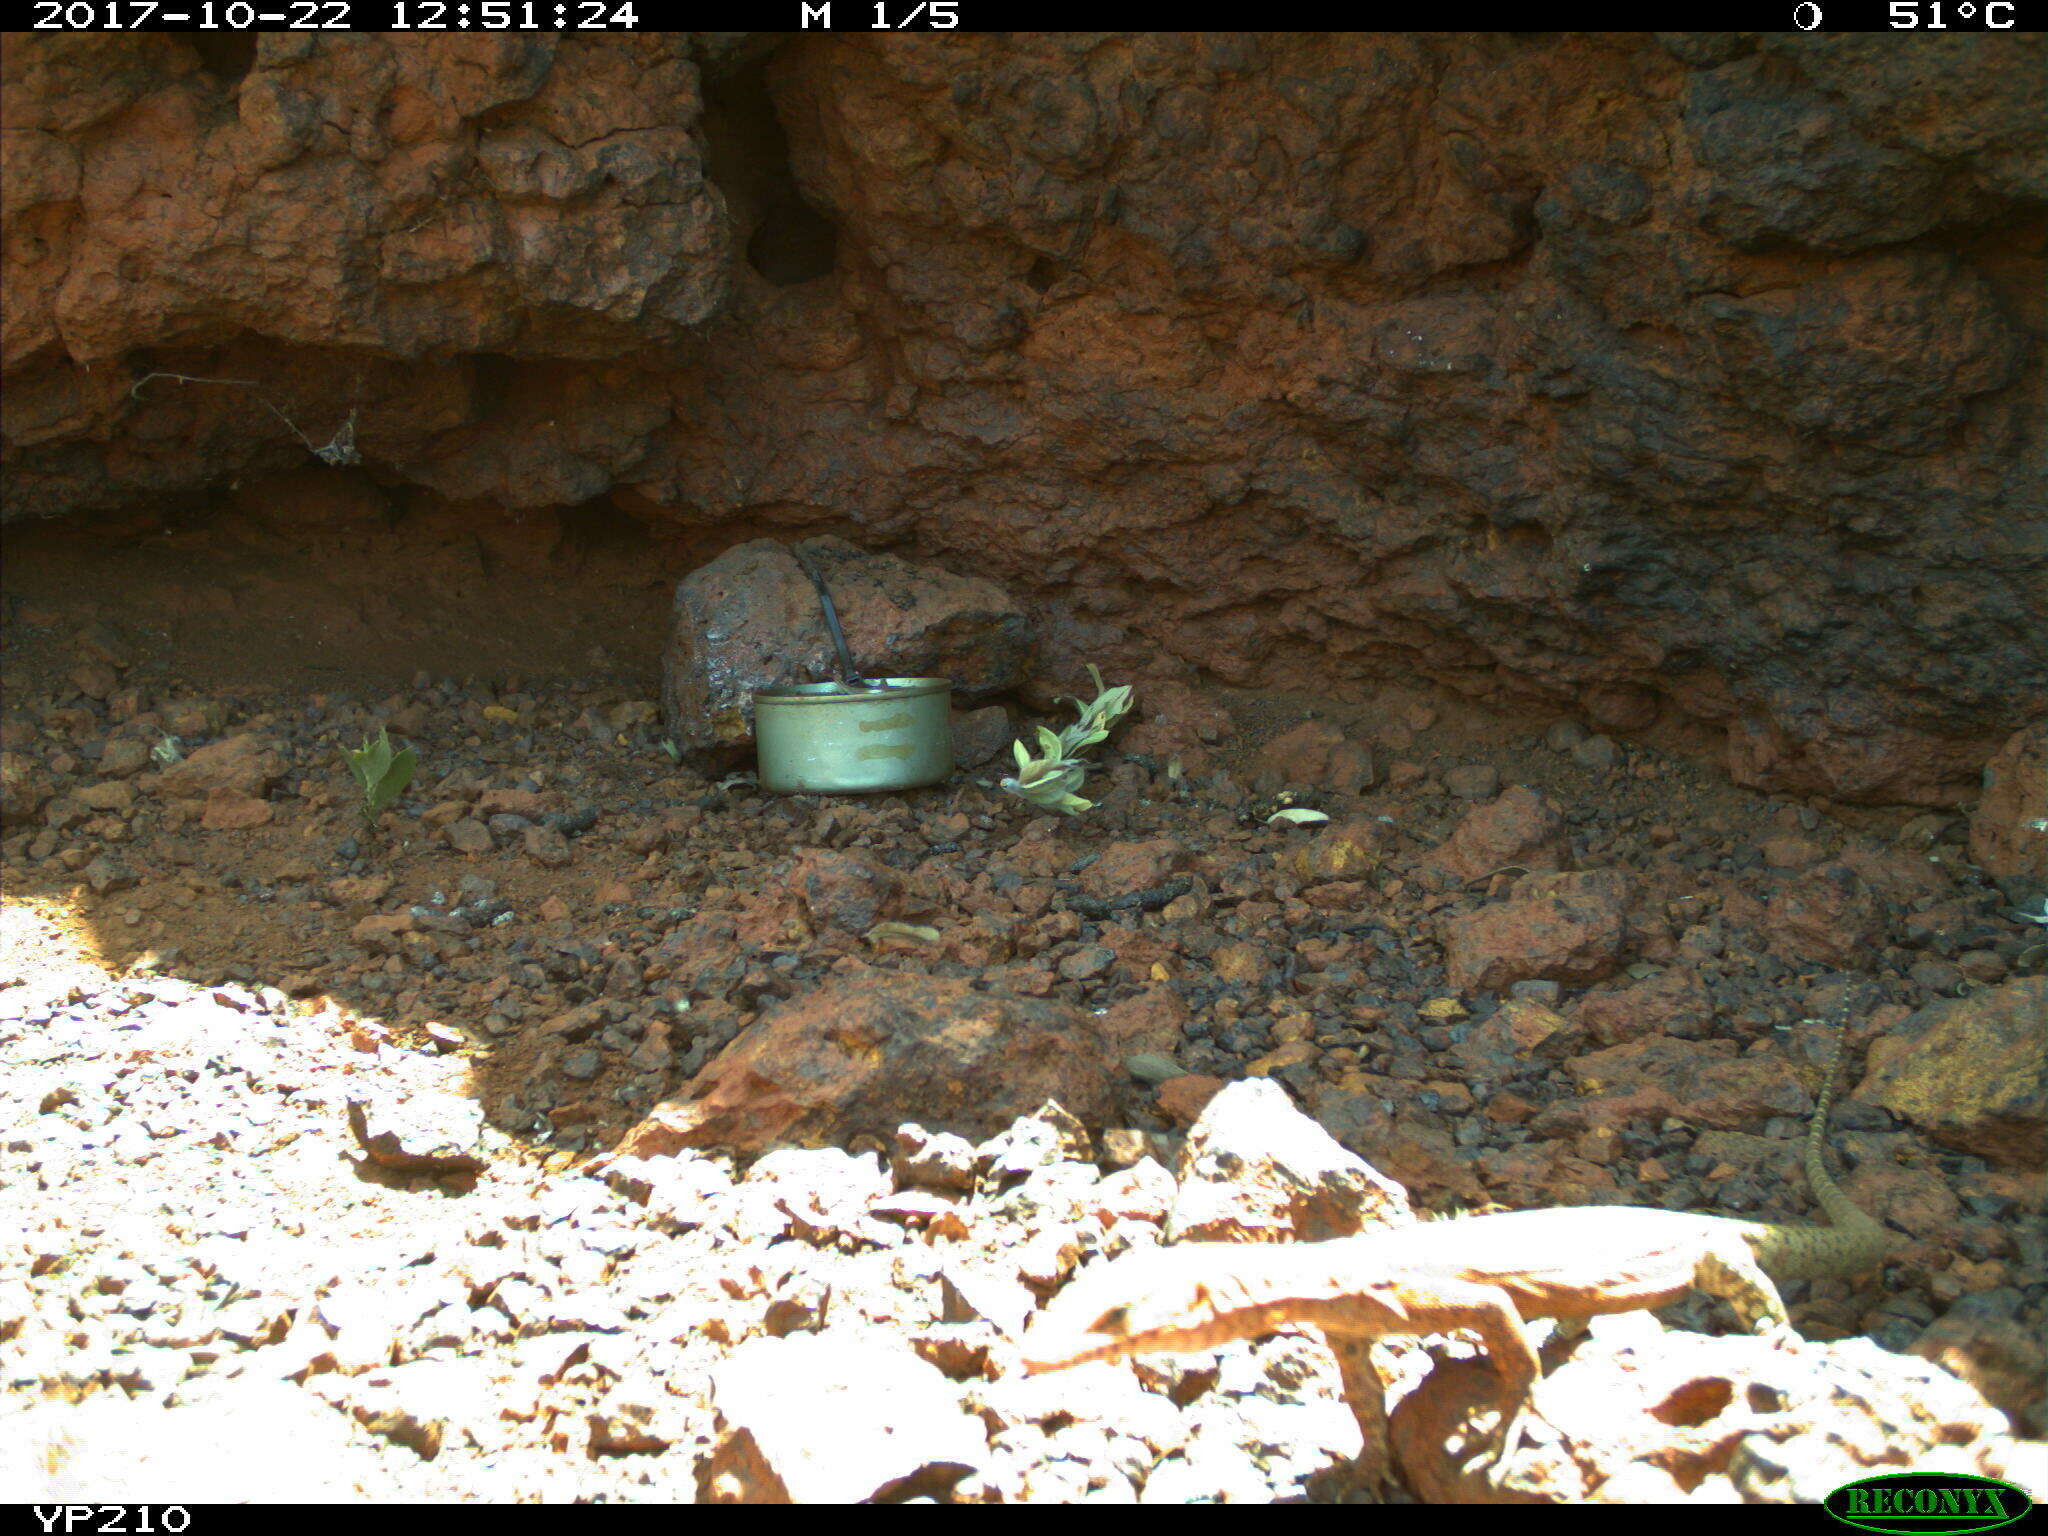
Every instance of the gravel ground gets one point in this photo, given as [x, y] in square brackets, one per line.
[206, 955]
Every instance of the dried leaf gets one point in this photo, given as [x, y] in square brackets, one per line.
[1295, 815]
[917, 931]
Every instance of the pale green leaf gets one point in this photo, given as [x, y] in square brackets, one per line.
[916, 931]
[1297, 816]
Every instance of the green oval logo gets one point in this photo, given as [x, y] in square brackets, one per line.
[1912, 1502]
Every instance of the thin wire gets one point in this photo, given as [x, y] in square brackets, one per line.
[846, 668]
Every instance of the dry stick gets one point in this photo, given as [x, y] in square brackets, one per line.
[341, 448]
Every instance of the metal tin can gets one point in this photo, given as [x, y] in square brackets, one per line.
[831, 739]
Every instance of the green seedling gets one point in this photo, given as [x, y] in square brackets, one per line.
[1051, 776]
[1048, 778]
[1099, 716]
[668, 746]
[380, 773]
[168, 749]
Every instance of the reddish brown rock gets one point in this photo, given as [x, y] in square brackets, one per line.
[1315, 755]
[1520, 829]
[229, 811]
[1790, 852]
[1124, 868]
[123, 757]
[2009, 827]
[845, 890]
[468, 835]
[1174, 720]
[751, 619]
[702, 953]
[245, 764]
[1901, 874]
[773, 919]
[980, 735]
[1151, 1019]
[1569, 928]
[383, 932]
[389, 247]
[1242, 964]
[1703, 1082]
[1182, 1099]
[532, 804]
[1622, 708]
[865, 1053]
[1518, 1032]
[24, 788]
[1382, 1121]
[1827, 915]
[1672, 1002]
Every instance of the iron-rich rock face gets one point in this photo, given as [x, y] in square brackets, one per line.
[1696, 377]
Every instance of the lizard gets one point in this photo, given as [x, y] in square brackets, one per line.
[1490, 1274]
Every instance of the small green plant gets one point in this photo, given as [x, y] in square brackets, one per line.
[1048, 778]
[1099, 716]
[168, 749]
[1051, 776]
[669, 748]
[380, 773]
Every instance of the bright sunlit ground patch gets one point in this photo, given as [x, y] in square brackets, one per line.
[45, 939]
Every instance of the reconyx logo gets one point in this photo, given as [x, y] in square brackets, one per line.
[1949, 1502]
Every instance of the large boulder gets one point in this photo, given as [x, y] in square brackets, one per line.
[1973, 1072]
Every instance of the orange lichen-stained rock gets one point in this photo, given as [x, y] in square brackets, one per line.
[1973, 1072]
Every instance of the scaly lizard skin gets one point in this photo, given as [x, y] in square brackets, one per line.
[1486, 1273]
